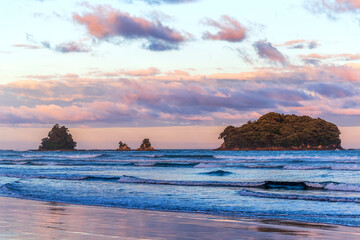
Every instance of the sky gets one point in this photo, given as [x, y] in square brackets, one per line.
[176, 70]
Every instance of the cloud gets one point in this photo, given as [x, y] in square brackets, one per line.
[299, 44]
[150, 97]
[65, 47]
[315, 59]
[69, 47]
[330, 90]
[332, 7]
[105, 23]
[266, 51]
[229, 29]
[168, 1]
[245, 56]
[26, 46]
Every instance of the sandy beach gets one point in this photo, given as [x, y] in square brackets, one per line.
[27, 219]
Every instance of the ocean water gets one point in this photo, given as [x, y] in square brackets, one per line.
[313, 186]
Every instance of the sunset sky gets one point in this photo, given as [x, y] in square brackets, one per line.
[177, 71]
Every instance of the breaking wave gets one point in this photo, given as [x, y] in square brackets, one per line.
[331, 186]
[245, 192]
[74, 156]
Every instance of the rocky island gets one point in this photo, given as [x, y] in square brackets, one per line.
[146, 146]
[59, 138]
[275, 131]
[123, 147]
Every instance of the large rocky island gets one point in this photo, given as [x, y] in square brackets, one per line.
[274, 131]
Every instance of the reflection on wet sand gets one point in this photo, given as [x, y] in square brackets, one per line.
[25, 219]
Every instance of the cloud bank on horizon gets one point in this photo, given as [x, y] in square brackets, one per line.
[181, 62]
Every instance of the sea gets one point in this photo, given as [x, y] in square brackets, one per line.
[310, 186]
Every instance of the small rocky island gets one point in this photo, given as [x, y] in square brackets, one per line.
[275, 131]
[146, 146]
[59, 138]
[123, 147]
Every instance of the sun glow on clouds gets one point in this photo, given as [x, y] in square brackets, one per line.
[141, 98]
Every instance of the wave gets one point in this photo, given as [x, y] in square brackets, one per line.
[217, 173]
[88, 178]
[331, 186]
[131, 179]
[352, 167]
[343, 167]
[201, 156]
[210, 165]
[284, 156]
[334, 186]
[74, 156]
[163, 164]
[245, 192]
[293, 167]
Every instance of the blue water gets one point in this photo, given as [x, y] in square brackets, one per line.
[313, 186]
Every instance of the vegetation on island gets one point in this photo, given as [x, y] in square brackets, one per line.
[274, 131]
[58, 138]
[146, 146]
[123, 147]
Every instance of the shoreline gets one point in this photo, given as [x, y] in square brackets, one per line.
[32, 219]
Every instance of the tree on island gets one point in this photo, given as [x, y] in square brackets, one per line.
[274, 131]
[123, 147]
[146, 146]
[58, 138]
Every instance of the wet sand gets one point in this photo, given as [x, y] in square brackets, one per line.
[26, 219]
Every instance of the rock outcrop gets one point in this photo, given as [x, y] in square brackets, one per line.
[146, 146]
[123, 147]
[274, 131]
[59, 138]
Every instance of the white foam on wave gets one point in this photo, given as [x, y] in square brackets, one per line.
[34, 176]
[245, 192]
[209, 165]
[284, 156]
[75, 156]
[144, 164]
[346, 187]
[131, 179]
[294, 167]
[343, 187]
[352, 167]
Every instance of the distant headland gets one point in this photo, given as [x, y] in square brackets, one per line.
[275, 131]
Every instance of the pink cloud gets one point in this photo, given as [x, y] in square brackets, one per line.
[177, 97]
[330, 7]
[349, 3]
[299, 44]
[105, 23]
[26, 46]
[229, 30]
[151, 71]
